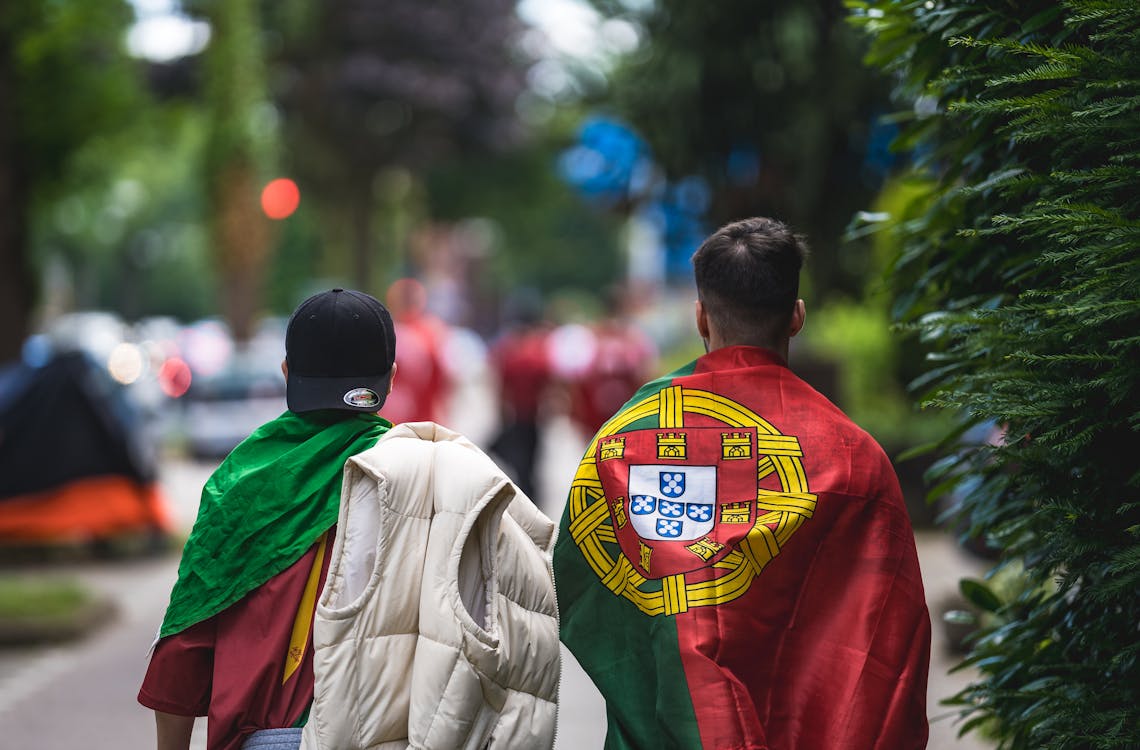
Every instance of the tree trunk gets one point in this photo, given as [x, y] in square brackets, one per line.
[241, 232]
[242, 243]
[361, 212]
[17, 284]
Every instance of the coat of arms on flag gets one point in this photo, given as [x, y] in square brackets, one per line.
[675, 501]
[683, 499]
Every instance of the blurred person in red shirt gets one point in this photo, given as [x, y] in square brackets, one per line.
[521, 361]
[620, 358]
[421, 393]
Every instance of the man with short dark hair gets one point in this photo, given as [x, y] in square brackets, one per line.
[748, 283]
[735, 566]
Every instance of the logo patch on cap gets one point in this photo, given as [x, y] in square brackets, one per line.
[362, 398]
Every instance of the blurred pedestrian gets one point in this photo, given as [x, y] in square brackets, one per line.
[619, 357]
[735, 566]
[422, 393]
[524, 374]
[286, 625]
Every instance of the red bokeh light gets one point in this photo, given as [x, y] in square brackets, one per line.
[174, 377]
[280, 198]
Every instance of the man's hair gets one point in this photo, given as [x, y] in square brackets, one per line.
[748, 279]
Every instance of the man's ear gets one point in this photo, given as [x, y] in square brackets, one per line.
[799, 313]
[702, 321]
[285, 368]
[391, 379]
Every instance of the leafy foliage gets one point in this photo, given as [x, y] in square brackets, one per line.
[118, 225]
[548, 238]
[236, 155]
[1021, 273]
[765, 101]
[73, 78]
[368, 88]
[64, 79]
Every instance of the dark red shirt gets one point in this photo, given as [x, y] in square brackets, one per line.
[523, 366]
[230, 667]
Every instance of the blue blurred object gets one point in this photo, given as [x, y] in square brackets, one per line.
[37, 350]
[879, 159]
[681, 213]
[742, 168]
[610, 162]
[67, 420]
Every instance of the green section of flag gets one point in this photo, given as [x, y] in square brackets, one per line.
[633, 658]
[264, 507]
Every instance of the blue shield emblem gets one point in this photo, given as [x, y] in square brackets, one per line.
[642, 504]
[672, 483]
[672, 503]
[699, 511]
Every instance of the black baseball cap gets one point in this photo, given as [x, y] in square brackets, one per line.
[339, 346]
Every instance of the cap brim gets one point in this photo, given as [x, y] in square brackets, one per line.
[359, 393]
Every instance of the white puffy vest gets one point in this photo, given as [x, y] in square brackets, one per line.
[438, 626]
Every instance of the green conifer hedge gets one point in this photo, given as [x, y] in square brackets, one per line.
[1020, 270]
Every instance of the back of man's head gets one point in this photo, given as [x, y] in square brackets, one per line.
[748, 280]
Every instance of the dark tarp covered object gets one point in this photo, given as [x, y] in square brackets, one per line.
[69, 442]
[63, 421]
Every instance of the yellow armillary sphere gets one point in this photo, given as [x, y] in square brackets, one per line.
[729, 535]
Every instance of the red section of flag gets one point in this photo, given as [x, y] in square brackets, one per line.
[230, 665]
[838, 642]
[838, 636]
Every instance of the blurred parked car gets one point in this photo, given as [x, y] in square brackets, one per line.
[221, 409]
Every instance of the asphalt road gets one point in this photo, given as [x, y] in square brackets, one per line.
[82, 694]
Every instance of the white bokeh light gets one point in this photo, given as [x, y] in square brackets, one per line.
[163, 35]
[125, 363]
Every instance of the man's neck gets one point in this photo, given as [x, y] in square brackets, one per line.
[780, 348]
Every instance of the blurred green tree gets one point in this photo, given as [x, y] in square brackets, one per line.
[1019, 269]
[239, 153]
[768, 102]
[374, 94]
[547, 238]
[122, 230]
[65, 78]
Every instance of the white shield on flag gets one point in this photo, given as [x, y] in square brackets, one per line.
[672, 503]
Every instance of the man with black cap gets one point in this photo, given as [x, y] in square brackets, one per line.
[226, 645]
[237, 641]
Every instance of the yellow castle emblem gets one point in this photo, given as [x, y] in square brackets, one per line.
[735, 512]
[671, 445]
[619, 513]
[612, 448]
[705, 548]
[735, 446]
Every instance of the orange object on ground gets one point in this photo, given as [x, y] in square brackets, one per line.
[88, 508]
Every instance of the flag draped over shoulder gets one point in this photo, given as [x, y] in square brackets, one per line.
[736, 569]
[267, 503]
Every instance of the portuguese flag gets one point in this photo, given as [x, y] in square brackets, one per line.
[736, 569]
[264, 507]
